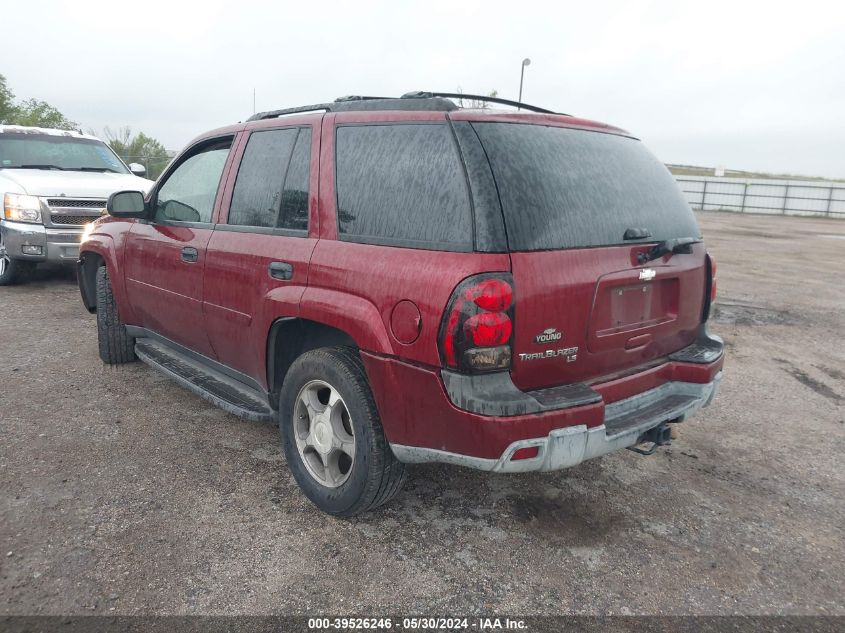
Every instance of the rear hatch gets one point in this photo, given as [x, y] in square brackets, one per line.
[586, 308]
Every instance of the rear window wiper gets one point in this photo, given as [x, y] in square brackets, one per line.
[41, 167]
[674, 245]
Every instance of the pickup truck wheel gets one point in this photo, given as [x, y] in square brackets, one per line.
[332, 435]
[13, 271]
[116, 346]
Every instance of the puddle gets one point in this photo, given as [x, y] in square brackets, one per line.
[567, 520]
[745, 314]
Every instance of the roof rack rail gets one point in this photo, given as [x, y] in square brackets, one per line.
[272, 114]
[489, 99]
[346, 98]
[409, 101]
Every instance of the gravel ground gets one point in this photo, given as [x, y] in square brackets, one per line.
[122, 493]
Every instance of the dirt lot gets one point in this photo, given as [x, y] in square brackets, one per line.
[122, 493]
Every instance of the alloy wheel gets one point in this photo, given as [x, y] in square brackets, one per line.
[323, 432]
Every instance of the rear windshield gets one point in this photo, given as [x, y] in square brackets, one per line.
[566, 188]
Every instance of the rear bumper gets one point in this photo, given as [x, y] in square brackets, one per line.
[427, 418]
[569, 446]
[53, 245]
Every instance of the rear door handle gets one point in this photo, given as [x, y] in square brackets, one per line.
[281, 270]
[189, 254]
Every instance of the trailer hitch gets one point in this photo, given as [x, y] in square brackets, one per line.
[660, 435]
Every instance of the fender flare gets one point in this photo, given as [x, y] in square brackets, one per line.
[102, 245]
[356, 316]
[345, 320]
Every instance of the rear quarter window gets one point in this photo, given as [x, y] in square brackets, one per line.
[402, 185]
[566, 188]
[258, 190]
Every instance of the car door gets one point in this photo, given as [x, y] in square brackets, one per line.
[165, 255]
[258, 256]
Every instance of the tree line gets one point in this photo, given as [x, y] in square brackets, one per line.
[132, 148]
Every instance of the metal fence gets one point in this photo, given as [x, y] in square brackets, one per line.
[780, 197]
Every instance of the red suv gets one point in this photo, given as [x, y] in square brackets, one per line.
[401, 280]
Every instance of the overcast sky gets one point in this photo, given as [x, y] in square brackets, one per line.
[748, 85]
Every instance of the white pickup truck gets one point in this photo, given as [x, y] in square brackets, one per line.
[53, 183]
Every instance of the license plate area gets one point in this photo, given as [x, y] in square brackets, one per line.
[634, 307]
[625, 309]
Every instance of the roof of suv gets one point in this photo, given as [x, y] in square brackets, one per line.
[409, 101]
[413, 105]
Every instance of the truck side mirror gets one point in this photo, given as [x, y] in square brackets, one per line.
[138, 169]
[127, 204]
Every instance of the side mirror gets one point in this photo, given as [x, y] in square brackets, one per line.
[138, 169]
[126, 204]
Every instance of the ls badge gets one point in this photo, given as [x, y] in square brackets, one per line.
[647, 274]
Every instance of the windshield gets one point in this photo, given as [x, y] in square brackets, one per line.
[48, 151]
[567, 188]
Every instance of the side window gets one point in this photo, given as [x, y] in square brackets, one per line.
[272, 186]
[402, 185]
[294, 213]
[188, 193]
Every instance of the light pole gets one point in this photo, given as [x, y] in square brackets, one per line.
[525, 62]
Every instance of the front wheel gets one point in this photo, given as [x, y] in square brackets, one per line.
[115, 344]
[332, 435]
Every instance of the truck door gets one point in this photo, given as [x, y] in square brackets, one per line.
[165, 256]
[257, 264]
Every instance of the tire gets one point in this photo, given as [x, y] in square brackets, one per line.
[115, 344]
[374, 476]
[13, 271]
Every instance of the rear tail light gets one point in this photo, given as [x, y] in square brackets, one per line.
[488, 329]
[477, 328]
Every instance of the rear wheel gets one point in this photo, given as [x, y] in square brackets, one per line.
[332, 434]
[115, 344]
[13, 271]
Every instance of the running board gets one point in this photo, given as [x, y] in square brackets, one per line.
[218, 389]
